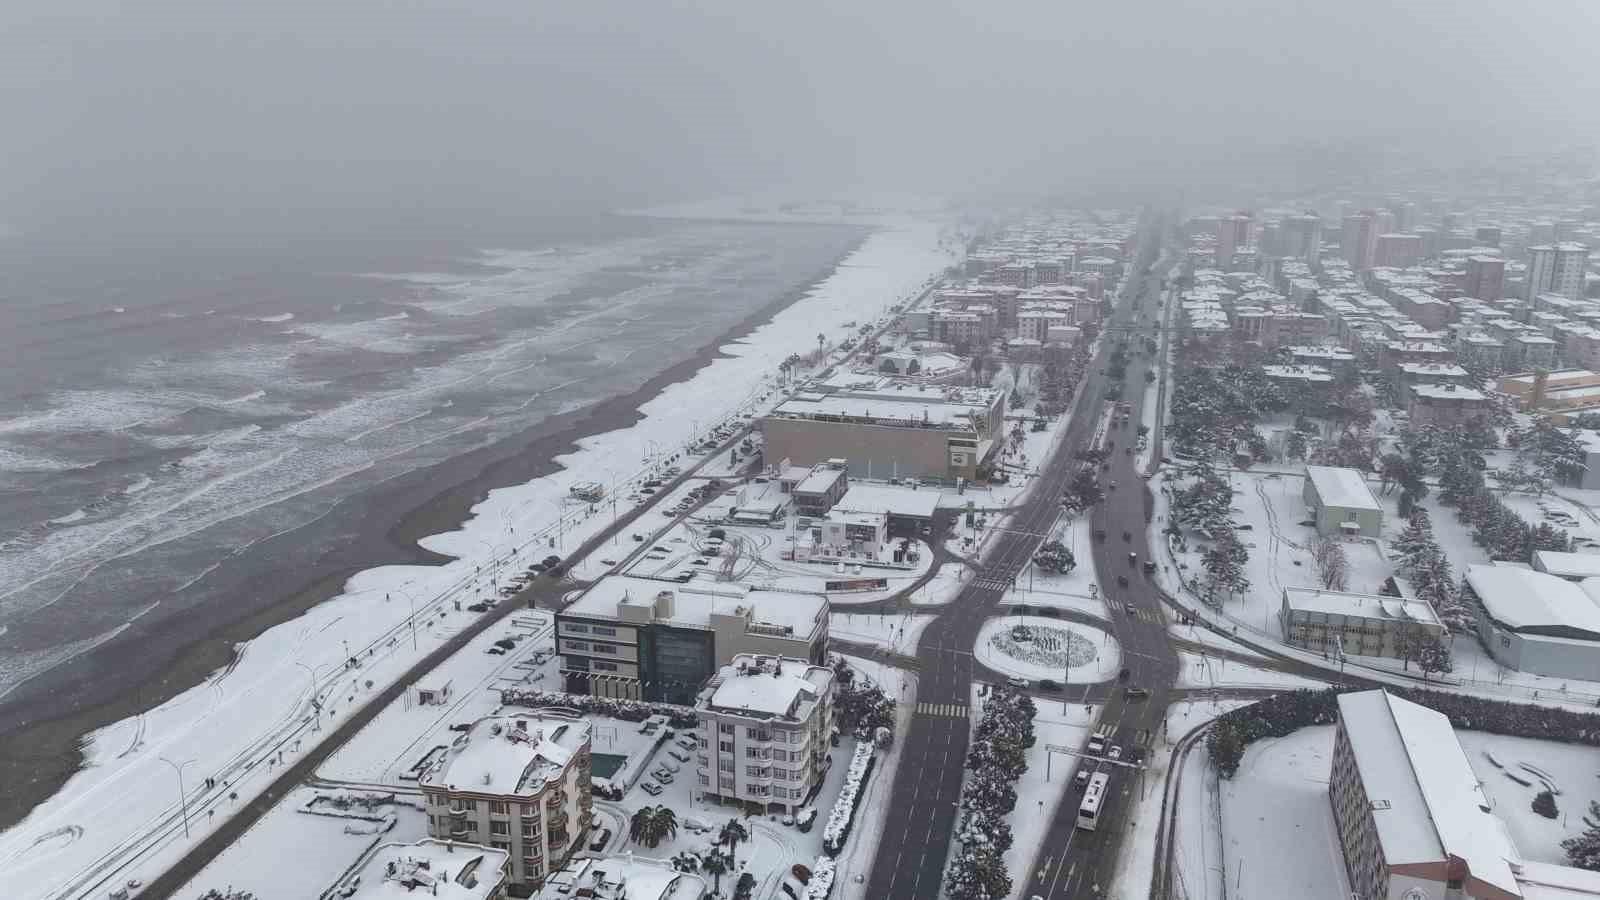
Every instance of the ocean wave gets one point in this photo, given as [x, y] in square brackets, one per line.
[253, 395]
[280, 317]
[76, 515]
[143, 482]
[394, 318]
[12, 460]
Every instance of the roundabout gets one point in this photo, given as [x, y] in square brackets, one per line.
[1039, 647]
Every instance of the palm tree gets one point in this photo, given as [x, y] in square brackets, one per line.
[732, 833]
[639, 827]
[715, 864]
[666, 824]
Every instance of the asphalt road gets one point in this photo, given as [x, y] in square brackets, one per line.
[924, 807]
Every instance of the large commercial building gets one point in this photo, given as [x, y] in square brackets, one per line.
[889, 429]
[764, 732]
[1537, 622]
[1413, 820]
[639, 638]
[1335, 622]
[1341, 502]
[516, 784]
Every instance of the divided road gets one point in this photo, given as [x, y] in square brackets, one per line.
[923, 811]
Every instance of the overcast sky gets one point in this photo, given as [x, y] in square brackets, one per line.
[121, 109]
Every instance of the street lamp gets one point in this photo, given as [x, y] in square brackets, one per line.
[316, 709]
[183, 797]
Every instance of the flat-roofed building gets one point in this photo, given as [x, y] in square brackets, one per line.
[1536, 622]
[517, 784]
[1341, 502]
[427, 868]
[1358, 624]
[643, 638]
[764, 732]
[1445, 405]
[627, 877]
[1567, 566]
[822, 487]
[888, 429]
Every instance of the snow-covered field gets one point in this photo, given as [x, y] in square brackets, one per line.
[1572, 771]
[1278, 835]
[120, 812]
[1196, 670]
[898, 633]
[1065, 652]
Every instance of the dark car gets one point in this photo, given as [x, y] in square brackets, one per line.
[506, 644]
[600, 840]
[1100, 534]
[550, 560]
[1127, 535]
[1122, 580]
[1149, 567]
[1135, 693]
[477, 607]
[1133, 559]
[1123, 675]
[1046, 684]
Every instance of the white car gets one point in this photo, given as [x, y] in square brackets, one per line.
[663, 776]
[678, 755]
[1114, 753]
[651, 788]
[668, 766]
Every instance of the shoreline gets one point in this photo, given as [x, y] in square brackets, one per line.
[41, 748]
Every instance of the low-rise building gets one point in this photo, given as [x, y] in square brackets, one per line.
[822, 487]
[1341, 502]
[1536, 622]
[641, 638]
[428, 868]
[516, 784]
[1334, 622]
[622, 878]
[1445, 405]
[764, 732]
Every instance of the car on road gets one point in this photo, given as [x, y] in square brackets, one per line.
[1018, 683]
[1127, 535]
[678, 755]
[1046, 684]
[600, 839]
[1123, 675]
[1122, 581]
[651, 788]
[1149, 567]
[1082, 778]
[1114, 752]
[1133, 559]
[1113, 485]
[663, 776]
[1100, 535]
[1135, 693]
[1130, 609]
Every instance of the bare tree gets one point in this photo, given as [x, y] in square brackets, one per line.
[1333, 567]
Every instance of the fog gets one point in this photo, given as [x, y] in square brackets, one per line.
[168, 110]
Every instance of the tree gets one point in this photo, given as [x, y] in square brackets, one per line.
[1295, 446]
[1434, 657]
[1053, 556]
[1084, 491]
[714, 864]
[1583, 851]
[1332, 565]
[653, 824]
[746, 887]
[1224, 564]
[1392, 470]
[1015, 400]
[1544, 803]
[732, 833]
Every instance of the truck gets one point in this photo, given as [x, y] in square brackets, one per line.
[1124, 411]
[1097, 741]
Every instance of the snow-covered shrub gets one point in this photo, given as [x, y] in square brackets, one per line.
[626, 710]
[821, 883]
[838, 828]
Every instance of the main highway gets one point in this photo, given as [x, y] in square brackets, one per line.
[924, 803]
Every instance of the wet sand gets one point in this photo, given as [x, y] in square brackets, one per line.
[42, 735]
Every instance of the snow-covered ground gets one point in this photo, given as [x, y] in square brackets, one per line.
[1278, 835]
[291, 853]
[121, 810]
[898, 633]
[1064, 652]
[1197, 633]
[1078, 589]
[1196, 670]
[1570, 770]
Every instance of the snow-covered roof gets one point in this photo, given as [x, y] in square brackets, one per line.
[1298, 373]
[1547, 881]
[427, 868]
[1425, 800]
[1447, 392]
[1341, 487]
[1568, 565]
[1370, 606]
[694, 602]
[1522, 599]
[890, 499]
[766, 686]
[622, 878]
[819, 480]
[508, 755]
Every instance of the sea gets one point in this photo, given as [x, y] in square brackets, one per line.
[166, 406]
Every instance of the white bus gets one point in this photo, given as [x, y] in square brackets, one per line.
[1093, 796]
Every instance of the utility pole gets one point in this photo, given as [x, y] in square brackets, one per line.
[183, 797]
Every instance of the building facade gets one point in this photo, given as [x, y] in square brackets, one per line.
[516, 784]
[1341, 502]
[1335, 622]
[765, 723]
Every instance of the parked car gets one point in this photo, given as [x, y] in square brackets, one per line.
[506, 643]
[651, 788]
[666, 766]
[477, 607]
[1123, 675]
[497, 651]
[550, 560]
[663, 776]
[600, 839]
[678, 754]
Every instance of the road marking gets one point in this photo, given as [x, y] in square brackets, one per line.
[943, 710]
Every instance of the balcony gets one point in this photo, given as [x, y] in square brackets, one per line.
[458, 832]
[457, 812]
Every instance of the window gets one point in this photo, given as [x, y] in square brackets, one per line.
[727, 783]
[705, 780]
[499, 828]
[725, 746]
[1505, 641]
[605, 648]
[601, 665]
[724, 728]
[575, 628]
[500, 845]
[498, 808]
[432, 822]
[580, 646]
[472, 827]
[469, 804]
[752, 771]
[724, 765]
[750, 733]
[605, 630]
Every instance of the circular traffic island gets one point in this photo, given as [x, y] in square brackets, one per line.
[1037, 647]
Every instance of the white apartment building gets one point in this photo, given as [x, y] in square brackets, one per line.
[516, 784]
[1556, 269]
[765, 723]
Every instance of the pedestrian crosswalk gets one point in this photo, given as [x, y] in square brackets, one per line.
[992, 584]
[1149, 615]
[948, 710]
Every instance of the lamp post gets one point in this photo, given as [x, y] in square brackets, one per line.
[183, 797]
[316, 709]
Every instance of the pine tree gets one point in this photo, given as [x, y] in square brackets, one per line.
[1583, 851]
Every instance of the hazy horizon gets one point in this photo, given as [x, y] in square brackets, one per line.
[176, 111]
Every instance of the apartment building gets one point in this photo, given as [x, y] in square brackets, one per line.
[515, 784]
[427, 868]
[641, 638]
[764, 732]
[1445, 405]
[1331, 622]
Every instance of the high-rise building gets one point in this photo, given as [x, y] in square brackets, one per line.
[1398, 250]
[1487, 235]
[1556, 269]
[1233, 233]
[1486, 278]
[1302, 236]
[764, 726]
[1358, 239]
[1405, 215]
